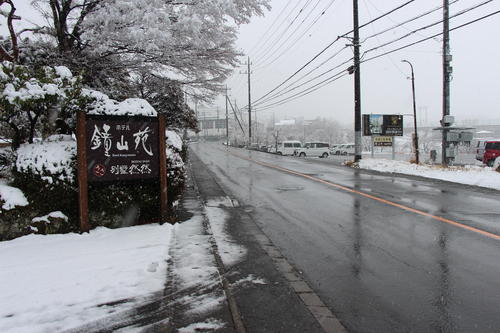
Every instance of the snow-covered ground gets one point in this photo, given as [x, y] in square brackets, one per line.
[469, 175]
[54, 283]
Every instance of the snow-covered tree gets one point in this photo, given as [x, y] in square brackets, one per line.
[31, 99]
[191, 41]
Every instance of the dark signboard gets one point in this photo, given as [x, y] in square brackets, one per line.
[382, 124]
[122, 148]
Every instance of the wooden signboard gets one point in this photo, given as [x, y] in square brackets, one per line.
[120, 149]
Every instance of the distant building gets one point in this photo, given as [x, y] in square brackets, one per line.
[212, 127]
[286, 122]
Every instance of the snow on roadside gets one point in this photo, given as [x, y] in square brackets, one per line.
[11, 196]
[195, 268]
[230, 251]
[208, 325]
[194, 264]
[55, 282]
[469, 175]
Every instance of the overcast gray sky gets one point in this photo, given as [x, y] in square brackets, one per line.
[385, 87]
[276, 52]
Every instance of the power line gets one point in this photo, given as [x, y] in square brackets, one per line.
[301, 85]
[270, 27]
[303, 76]
[287, 27]
[327, 47]
[307, 91]
[338, 75]
[430, 37]
[294, 42]
[405, 22]
[427, 26]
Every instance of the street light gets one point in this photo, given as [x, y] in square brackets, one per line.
[414, 110]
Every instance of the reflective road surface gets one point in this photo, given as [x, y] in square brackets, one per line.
[386, 254]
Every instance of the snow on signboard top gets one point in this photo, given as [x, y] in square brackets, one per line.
[104, 105]
[469, 175]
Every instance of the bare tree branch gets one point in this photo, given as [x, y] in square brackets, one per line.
[4, 55]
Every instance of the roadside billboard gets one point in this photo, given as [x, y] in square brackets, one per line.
[382, 124]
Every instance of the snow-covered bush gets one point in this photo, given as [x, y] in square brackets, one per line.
[32, 98]
[176, 171]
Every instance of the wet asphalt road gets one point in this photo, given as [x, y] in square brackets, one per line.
[378, 267]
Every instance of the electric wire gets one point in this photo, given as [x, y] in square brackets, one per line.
[303, 76]
[296, 40]
[272, 35]
[405, 22]
[270, 27]
[287, 27]
[326, 48]
[277, 95]
[307, 91]
[326, 82]
[426, 27]
[430, 37]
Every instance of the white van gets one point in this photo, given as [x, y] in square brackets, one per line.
[316, 149]
[288, 147]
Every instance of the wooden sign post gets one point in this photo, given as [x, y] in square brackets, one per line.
[120, 148]
[83, 197]
[163, 169]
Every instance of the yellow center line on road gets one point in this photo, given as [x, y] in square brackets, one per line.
[373, 197]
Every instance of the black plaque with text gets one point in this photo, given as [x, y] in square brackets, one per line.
[122, 148]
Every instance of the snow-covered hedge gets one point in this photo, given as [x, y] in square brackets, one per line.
[52, 160]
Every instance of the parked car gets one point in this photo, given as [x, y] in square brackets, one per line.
[335, 149]
[288, 147]
[254, 146]
[480, 149]
[491, 152]
[316, 149]
[346, 149]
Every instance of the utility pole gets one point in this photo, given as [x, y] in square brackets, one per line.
[197, 118]
[415, 139]
[227, 121]
[446, 79]
[357, 85]
[249, 106]
[217, 124]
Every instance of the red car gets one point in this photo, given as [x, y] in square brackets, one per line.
[491, 152]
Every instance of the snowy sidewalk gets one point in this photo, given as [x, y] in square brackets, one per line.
[467, 175]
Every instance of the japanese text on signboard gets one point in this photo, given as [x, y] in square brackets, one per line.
[120, 148]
